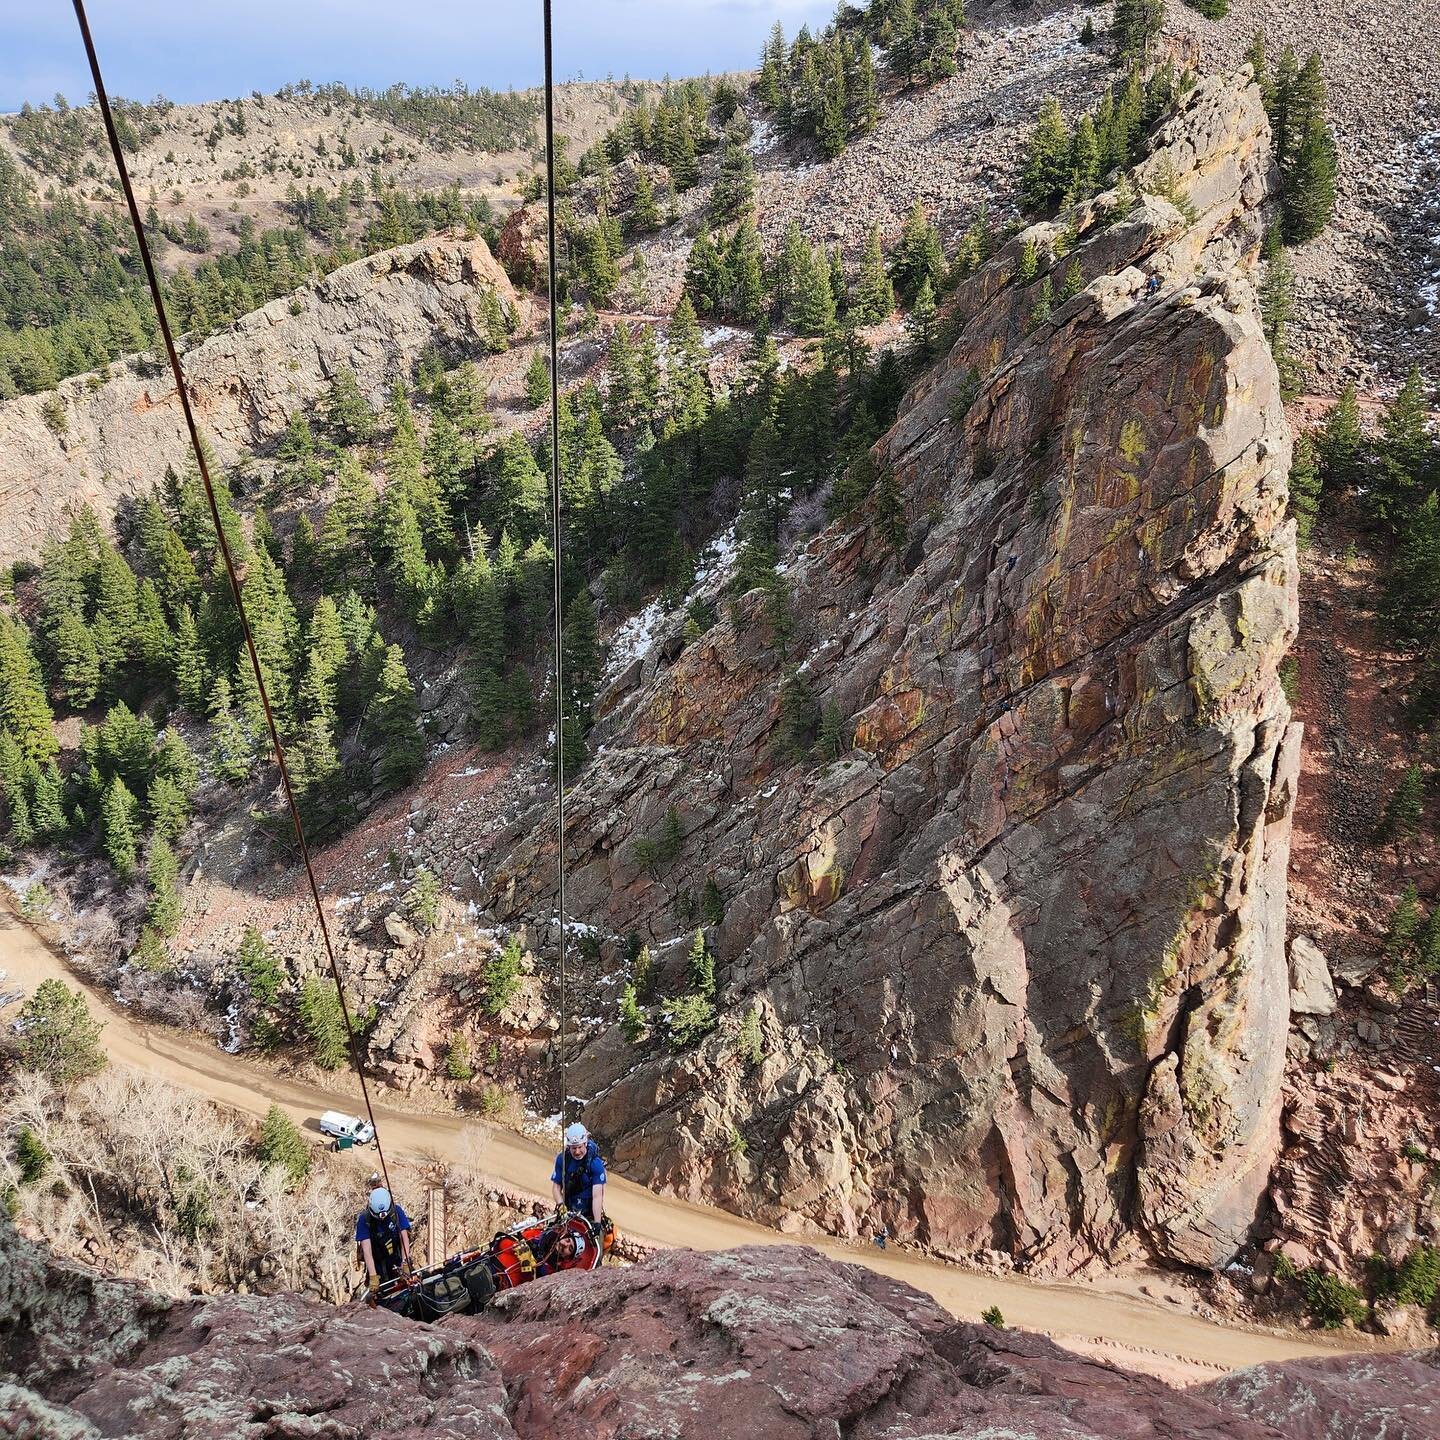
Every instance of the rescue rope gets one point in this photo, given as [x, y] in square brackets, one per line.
[559, 626]
[102, 99]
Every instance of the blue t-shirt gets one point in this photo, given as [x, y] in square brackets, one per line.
[577, 1179]
[401, 1221]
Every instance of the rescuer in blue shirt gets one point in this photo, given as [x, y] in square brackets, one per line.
[383, 1234]
[578, 1180]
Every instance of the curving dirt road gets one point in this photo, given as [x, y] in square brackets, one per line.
[1132, 1331]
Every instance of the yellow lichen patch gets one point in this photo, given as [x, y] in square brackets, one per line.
[1132, 442]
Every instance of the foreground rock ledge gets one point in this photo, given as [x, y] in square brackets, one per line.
[761, 1343]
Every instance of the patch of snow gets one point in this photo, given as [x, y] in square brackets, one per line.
[763, 137]
[720, 335]
[632, 640]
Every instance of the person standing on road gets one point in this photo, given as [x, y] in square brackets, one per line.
[578, 1180]
[383, 1234]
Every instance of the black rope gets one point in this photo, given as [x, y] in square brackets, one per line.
[555, 527]
[154, 283]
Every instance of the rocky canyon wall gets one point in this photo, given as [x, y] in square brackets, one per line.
[1017, 955]
[114, 433]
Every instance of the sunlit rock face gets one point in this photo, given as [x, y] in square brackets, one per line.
[1017, 953]
[122, 429]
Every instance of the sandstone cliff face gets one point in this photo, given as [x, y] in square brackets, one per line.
[1017, 955]
[772, 1342]
[120, 433]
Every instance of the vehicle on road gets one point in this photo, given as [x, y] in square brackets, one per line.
[346, 1130]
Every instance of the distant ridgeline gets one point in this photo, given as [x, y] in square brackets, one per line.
[72, 297]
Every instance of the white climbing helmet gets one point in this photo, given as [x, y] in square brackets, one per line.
[576, 1134]
[379, 1201]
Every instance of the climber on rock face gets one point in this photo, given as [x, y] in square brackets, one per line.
[383, 1234]
[578, 1180]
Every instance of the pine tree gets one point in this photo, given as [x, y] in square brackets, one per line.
[395, 715]
[688, 400]
[162, 874]
[633, 1022]
[733, 195]
[1404, 812]
[283, 1147]
[1277, 305]
[705, 282]
[1404, 927]
[1305, 485]
[191, 679]
[154, 640]
[890, 523]
[1136, 26]
[119, 825]
[621, 366]
[1255, 58]
[874, 293]
[745, 274]
[317, 775]
[712, 903]
[264, 977]
[1342, 440]
[537, 381]
[864, 99]
[1084, 160]
[582, 657]
[496, 328]
[645, 214]
[700, 966]
[1045, 173]
[58, 1036]
[1406, 447]
[347, 412]
[47, 810]
[918, 256]
[922, 321]
[232, 753]
[601, 271]
[76, 659]
[502, 976]
[423, 900]
[24, 710]
[812, 308]
[323, 1022]
[1311, 186]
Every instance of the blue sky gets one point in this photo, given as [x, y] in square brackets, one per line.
[204, 49]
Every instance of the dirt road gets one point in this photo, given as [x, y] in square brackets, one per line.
[1130, 1330]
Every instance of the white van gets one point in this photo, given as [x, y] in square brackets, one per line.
[346, 1127]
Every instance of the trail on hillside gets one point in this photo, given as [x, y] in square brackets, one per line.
[1129, 1330]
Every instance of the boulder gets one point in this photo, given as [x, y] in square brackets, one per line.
[1312, 992]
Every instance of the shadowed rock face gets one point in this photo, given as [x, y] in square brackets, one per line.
[246, 382]
[772, 1342]
[1018, 954]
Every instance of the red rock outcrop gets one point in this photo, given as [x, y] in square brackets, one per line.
[1017, 955]
[772, 1342]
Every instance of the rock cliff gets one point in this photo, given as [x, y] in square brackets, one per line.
[1017, 955]
[113, 435]
[766, 1341]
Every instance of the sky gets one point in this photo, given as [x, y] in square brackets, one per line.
[194, 50]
